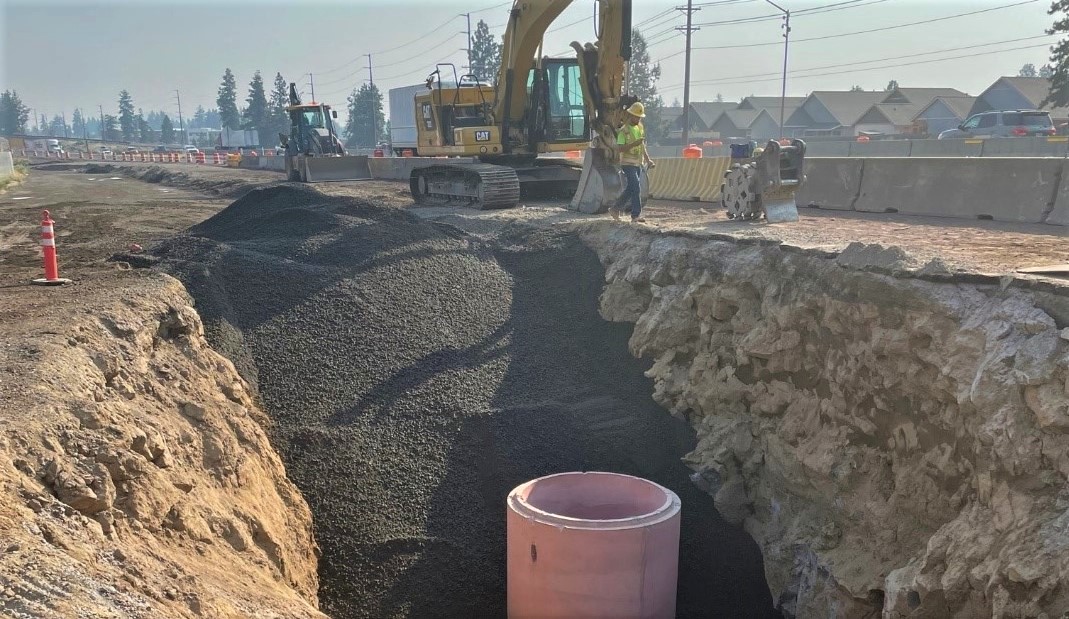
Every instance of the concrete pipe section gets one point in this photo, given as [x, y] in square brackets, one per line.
[586, 545]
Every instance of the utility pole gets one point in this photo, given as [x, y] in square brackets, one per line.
[85, 131]
[468, 15]
[181, 124]
[786, 41]
[372, 102]
[688, 29]
[101, 122]
[312, 85]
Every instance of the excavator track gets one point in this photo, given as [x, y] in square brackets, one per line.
[478, 185]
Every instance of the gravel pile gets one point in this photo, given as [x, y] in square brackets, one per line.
[416, 374]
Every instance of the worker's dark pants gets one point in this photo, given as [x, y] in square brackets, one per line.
[633, 192]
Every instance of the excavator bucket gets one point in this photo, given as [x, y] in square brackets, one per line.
[600, 184]
[327, 169]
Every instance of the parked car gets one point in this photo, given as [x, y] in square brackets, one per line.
[132, 149]
[1003, 124]
[105, 151]
[191, 150]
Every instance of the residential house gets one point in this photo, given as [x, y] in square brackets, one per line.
[746, 125]
[943, 113]
[772, 106]
[831, 113]
[701, 116]
[1019, 93]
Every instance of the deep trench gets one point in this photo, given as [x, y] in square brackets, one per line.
[415, 374]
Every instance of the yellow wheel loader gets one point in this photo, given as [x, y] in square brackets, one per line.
[313, 151]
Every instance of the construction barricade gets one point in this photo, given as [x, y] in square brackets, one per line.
[688, 179]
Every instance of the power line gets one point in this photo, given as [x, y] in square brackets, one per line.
[831, 8]
[862, 62]
[392, 49]
[891, 66]
[496, 6]
[847, 34]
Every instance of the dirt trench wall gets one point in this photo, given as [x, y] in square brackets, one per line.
[136, 479]
[891, 443]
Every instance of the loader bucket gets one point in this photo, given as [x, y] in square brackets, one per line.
[600, 185]
[326, 169]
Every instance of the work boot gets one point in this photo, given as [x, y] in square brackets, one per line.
[638, 220]
[615, 214]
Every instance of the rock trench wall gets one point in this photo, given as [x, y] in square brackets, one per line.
[136, 478]
[892, 444]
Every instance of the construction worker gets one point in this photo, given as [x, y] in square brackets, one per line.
[631, 144]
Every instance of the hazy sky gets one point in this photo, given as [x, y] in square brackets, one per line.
[60, 55]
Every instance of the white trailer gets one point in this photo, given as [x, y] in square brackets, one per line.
[403, 117]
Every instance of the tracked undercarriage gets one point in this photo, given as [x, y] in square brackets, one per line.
[492, 186]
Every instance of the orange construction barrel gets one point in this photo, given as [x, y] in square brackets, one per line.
[407, 153]
[692, 152]
[378, 153]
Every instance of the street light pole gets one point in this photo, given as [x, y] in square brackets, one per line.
[786, 42]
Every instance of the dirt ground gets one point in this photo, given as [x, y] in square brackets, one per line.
[100, 214]
[187, 194]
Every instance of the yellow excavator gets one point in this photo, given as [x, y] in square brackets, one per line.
[541, 107]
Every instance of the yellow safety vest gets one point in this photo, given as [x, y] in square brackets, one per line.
[630, 133]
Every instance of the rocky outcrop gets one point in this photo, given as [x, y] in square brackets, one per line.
[136, 478]
[892, 444]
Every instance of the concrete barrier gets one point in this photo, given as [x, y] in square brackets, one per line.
[831, 183]
[1057, 146]
[887, 148]
[273, 163]
[1019, 190]
[1059, 214]
[688, 179]
[7, 165]
[946, 148]
[827, 149]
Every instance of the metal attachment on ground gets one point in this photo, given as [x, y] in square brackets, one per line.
[765, 186]
[48, 251]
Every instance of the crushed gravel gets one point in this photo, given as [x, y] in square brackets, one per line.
[416, 374]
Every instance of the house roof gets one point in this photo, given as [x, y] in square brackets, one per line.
[669, 114]
[709, 111]
[772, 105]
[920, 96]
[1034, 89]
[899, 114]
[847, 106]
[960, 106]
[744, 119]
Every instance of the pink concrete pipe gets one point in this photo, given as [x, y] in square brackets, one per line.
[592, 545]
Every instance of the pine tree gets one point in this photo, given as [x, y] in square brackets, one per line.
[127, 122]
[1059, 56]
[891, 85]
[13, 114]
[362, 104]
[78, 126]
[144, 131]
[1046, 71]
[228, 102]
[57, 128]
[1028, 70]
[200, 118]
[642, 83]
[256, 114]
[111, 132]
[166, 130]
[485, 54]
[280, 98]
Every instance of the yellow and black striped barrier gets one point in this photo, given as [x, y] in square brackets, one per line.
[696, 180]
